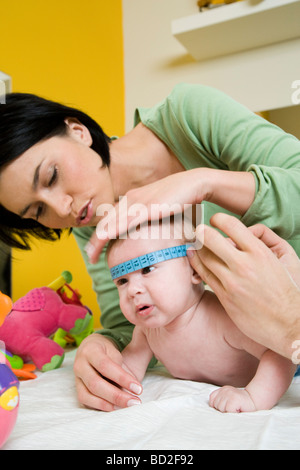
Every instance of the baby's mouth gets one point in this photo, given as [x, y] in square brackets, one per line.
[144, 309]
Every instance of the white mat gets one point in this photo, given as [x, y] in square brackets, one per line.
[174, 415]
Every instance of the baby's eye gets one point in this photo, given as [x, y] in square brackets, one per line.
[148, 269]
[121, 281]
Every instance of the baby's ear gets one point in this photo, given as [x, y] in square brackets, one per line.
[196, 279]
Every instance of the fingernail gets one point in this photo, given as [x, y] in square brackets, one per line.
[135, 388]
[101, 234]
[133, 402]
[190, 253]
[89, 248]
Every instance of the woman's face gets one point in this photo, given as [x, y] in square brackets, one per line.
[59, 181]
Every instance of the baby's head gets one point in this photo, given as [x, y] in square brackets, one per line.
[154, 293]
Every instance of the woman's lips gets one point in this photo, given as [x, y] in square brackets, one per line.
[85, 214]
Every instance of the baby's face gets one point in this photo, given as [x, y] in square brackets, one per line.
[153, 296]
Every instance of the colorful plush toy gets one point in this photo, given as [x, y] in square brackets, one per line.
[33, 319]
[9, 400]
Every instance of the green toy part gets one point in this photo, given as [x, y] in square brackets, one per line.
[15, 361]
[67, 276]
[80, 325]
[56, 362]
[60, 335]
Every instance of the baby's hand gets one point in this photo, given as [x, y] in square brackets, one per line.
[231, 400]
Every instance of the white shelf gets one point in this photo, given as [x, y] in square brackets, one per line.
[5, 82]
[238, 27]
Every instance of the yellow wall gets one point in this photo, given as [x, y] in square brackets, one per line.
[70, 51]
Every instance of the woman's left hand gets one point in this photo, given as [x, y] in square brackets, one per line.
[254, 275]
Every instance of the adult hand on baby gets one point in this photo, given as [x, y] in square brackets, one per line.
[281, 248]
[101, 382]
[231, 400]
[150, 202]
[255, 280]
[170, 195]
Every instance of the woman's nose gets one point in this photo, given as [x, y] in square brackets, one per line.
[59, 202]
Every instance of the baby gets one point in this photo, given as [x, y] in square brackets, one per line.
[186, 328]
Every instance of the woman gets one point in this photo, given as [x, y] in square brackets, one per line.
[58, 167]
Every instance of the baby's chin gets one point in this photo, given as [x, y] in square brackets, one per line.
[151, 322]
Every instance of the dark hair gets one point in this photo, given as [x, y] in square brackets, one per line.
[25, 120]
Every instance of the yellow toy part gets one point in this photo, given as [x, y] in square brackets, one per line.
[65, 278]
[10, 399]
[207, 3]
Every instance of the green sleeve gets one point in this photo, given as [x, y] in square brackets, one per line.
[205, 127]
[115, 325]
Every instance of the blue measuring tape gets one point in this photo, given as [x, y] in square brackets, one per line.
[148, 260]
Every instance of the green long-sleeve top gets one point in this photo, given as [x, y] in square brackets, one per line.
[206, 128]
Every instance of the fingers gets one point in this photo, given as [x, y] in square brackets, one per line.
[271, 240]
[220, 247]
[235, 230]
[119, 219]
[97, 393]
[229, 399]
[107, 394]
[200, 263]
[108, 228]
[101, 382]
[94, 247]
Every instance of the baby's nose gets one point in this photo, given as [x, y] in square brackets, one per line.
[135, 285]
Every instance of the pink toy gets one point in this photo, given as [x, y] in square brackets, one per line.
[9, 400]
[34, 318]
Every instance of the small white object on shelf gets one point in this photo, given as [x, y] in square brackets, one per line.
[5, 86]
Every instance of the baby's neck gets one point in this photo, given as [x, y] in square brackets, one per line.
[182, 320]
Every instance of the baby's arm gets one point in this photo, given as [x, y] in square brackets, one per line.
[137, 355]
[272, 379]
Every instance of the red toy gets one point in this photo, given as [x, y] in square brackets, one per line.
[27, 329]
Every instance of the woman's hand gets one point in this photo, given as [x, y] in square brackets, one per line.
[281, 248]
[172, 195]
[101, 382]
[167, 196]
[254, 275]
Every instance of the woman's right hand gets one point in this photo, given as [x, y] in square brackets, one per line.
[101, 382]
[153, 201]
[173, 194]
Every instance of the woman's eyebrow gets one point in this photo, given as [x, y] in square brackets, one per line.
[36, 177]
[35, 182]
